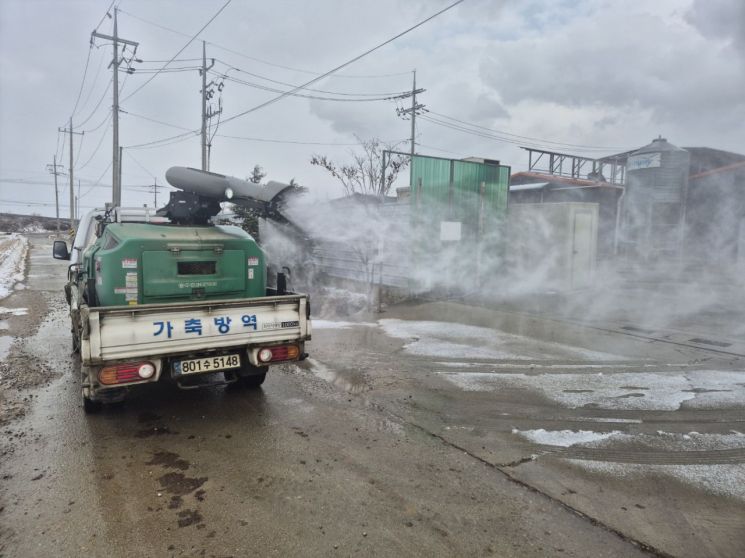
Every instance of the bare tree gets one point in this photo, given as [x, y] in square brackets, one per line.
[365, 174]
[257, 175]
[247, 217]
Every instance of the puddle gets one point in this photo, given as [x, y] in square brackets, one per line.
[460, 341]
[699, 389]
[335, 378]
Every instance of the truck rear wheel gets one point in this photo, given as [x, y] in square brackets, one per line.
[253, 381]
[91, 407]
[75, 341]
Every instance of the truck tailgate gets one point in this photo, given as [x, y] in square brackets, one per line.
[163, 329]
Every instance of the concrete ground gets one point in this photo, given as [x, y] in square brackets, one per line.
[429, 430]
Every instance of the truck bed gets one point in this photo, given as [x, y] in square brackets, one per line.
[125, 332]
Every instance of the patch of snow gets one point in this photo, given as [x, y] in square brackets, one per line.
[330, 324]
[721, 479]
[459, 341]
[34, 228]
[564, 438]
[676, 442]
[13, 311]
[13, 248]
[623, 391]
[5, 343]
[536, 366]
[4, 325]
[666, 441]
[610, 419]
[439, 349]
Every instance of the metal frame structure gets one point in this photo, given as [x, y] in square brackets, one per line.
[553, 163]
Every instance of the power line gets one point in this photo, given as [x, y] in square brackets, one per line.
[170, 61]
[98, 104]
[259, 60]
[96, 182]
[80, 148]
[494, 137]
[56, 151]
[38, 204]
[87, 62]
[439, 149]
[94, 81]
[82, 83]
[394, 94]
[140, 165]
[261, 140]
[85, 181]
[529, 138]
[345, 64]
[302, 71]
[106, 118]
[182, 137]
[180, 51]
[306, 96]
[165, 141]
[103, 18]
[140, 71]
[294, 142]
[149, 119]
[98, 146]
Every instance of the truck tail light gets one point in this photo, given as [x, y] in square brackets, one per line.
[278, 353]
[126, 373]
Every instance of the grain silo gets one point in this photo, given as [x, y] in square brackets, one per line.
[654, 201]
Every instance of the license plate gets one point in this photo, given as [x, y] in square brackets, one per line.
[209, 364]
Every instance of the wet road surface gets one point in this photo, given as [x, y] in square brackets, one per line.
[394, 439]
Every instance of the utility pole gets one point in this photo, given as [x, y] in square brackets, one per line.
[155, 193]
[121, 157]
[115, 62]
[53, 170]
[206, 114]
[413, 117]
[72, 181]
[413, 111]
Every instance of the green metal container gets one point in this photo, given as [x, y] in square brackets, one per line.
[136, 263]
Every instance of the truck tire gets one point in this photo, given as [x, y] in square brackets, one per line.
[91, 407]
[254, 381]
[75, 341]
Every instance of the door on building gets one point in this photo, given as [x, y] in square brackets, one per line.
[582, 253]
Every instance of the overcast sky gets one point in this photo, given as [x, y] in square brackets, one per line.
[560, 72]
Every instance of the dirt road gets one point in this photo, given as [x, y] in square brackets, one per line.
[408, 435]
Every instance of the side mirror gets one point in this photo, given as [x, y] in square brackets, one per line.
[59, 250]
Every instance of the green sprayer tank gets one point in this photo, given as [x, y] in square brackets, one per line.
[139, 263]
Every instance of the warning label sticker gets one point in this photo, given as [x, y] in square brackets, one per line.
[129, 263]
